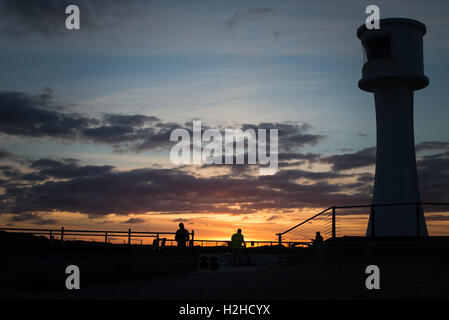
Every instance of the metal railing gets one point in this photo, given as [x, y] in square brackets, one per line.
[329, 221]
[62, 235]
[167, 238]
[226, 243]
[107, 234]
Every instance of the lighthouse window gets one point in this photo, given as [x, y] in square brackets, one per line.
[378, 48]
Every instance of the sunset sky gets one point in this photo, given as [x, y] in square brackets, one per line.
[86, 116]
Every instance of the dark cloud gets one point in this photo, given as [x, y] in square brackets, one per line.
[33, 218]
[367, 157]
[286, 156]
[169, 191]
[126, 120]
[5, 155]
[101, 190]
[10, 172]
[48, 185]
[285, 164]
[247, 16]
[36, 116]
[20, 18]
[432, 145]
[8, 156]
[365, 177]
[41, 116]
[134, 221]
[433, 174]
[363, 158]
[181, 220]
[67, 168]
[294, 174]
[291, 136]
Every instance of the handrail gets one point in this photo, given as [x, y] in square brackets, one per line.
[86, 231]
[419, 203]
[106, 233]
[298, 225]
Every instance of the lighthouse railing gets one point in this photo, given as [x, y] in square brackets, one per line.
[336, 222]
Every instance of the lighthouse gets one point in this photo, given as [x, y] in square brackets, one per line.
[393, 69]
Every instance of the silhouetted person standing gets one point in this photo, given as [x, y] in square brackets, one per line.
[182, 236]
[318, 248]
[237, 241]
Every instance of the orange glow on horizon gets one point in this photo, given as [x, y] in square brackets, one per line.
[220, 227]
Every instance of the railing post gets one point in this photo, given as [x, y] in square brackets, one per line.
[280, 244]
[106, 237]
[373, 219]
[51, 235]
[129, 237]
[417, 220]
[157, 241]
[62, 234]
[333, 223]
[192, 243]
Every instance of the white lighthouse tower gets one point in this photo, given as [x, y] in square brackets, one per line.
[393, 70]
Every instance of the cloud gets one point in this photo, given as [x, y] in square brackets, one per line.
[33, 218]
[433, 174]
[48, 185]
[432, 145]
[181, 220]
[363, 158]
[171, 191]
[127, 120]
[247, 16]
[291, 135]
[286, 156]
[98, 191]
[41, 116]
[37, 116]
[367, 156]
[68, 168]
[133, 221]
[5, 155]
[47, 17]
[10, 172]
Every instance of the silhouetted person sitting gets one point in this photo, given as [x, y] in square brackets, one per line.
[237, 241]
[182, 236]
[318, 238]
